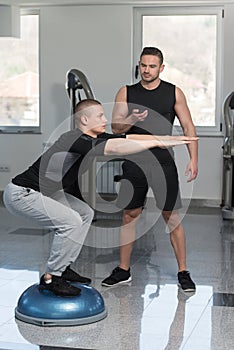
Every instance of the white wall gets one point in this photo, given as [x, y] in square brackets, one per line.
[208, 185]
[98, 40]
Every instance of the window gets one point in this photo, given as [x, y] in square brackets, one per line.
[19, 78]
[190, 40]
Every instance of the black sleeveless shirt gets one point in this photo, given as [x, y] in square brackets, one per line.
[161, 114]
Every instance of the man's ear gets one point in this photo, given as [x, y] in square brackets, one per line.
[83, 119]
[162, 67]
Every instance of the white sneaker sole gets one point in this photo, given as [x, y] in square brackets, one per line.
[116, 284]
[187, 290]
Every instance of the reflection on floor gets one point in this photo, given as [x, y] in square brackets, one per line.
[148, 314]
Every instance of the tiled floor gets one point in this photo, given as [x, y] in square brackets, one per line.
[148, 314]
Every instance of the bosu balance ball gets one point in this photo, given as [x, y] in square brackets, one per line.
[44, 308]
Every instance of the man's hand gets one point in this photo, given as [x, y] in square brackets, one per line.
[138, 115]
[191, 171]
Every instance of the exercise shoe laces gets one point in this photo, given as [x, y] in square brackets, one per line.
[72, 276]
[118, 276]
[59, 287]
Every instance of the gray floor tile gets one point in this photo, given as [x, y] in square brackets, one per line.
[147, 314]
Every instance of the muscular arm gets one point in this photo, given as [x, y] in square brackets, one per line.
[162, 138]
[185, 119]
[131, 146]
[121, 120]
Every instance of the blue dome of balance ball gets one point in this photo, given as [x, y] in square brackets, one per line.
[44, 308]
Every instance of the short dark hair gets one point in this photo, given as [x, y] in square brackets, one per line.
[150, 50]
[86, 103]
[84, 107]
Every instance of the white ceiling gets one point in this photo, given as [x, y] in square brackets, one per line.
[40, 3]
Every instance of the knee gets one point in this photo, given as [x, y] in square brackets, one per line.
[131, 215]
[167, 215]
[172, 219]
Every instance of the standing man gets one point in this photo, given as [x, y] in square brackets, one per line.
[150, 107]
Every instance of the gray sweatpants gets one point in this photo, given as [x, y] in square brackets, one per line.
[69, 218]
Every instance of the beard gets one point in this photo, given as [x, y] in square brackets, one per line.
[150, 79]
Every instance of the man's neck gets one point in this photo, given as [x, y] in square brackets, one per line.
[88, 132]
[150, 85]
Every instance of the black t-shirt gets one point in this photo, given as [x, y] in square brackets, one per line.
[161, 115]
[58, 167]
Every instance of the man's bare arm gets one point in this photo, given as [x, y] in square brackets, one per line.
[184, 116]
[122, 121]
[129, 146]
[162, 138]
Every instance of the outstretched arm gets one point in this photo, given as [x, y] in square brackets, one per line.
[162, 138]
[131, 146]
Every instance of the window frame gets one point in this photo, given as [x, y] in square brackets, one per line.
[18, 129]
[139, 12]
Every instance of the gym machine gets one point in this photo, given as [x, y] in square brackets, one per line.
[77, 85]
[77, 82]
[228, 159]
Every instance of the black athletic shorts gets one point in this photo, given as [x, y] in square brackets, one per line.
[138, 178]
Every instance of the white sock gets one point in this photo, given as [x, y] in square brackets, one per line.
[48, 281]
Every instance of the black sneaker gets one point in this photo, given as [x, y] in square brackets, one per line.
[185, 281]
[72, 276]
[59, 287]
[118, 276]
